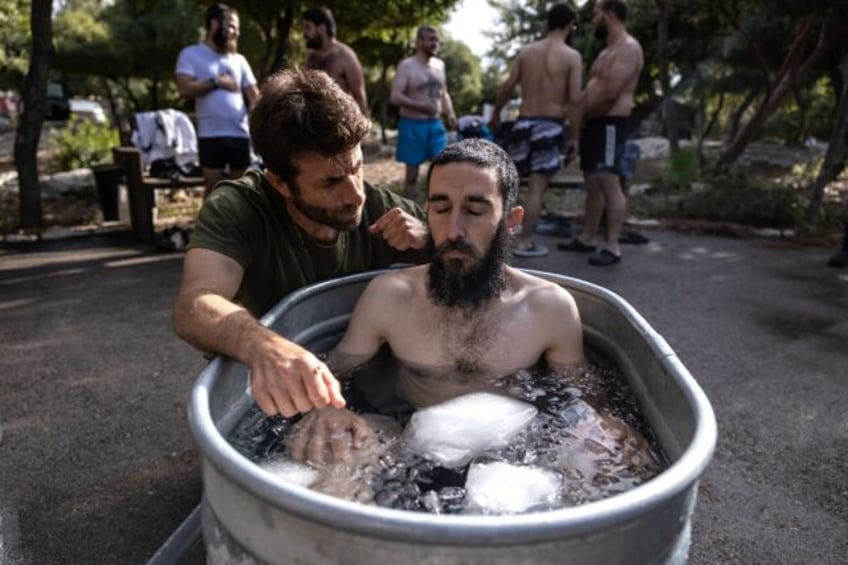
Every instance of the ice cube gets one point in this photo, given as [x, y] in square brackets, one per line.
[502, 488]
[454, 432]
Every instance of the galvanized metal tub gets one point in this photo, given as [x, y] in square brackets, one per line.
[251, 517]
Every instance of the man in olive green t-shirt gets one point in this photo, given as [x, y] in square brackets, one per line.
[307, 217]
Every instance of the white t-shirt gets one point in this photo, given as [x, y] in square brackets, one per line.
[221, 113]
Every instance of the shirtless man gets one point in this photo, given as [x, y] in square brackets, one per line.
[550, 75]
[607, 103]
[332, 56]
[465, 319]
[420, 90]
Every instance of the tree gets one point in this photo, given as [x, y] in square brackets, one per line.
[34, 97]
[834, 159]
[15, 41]
[813, 29]
[464, 76]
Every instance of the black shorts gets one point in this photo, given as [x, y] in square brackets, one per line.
[602, 145]
[218, 152]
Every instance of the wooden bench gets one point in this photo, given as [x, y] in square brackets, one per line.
[141, 190]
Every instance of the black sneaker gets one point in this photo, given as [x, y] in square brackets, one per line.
[604, 258]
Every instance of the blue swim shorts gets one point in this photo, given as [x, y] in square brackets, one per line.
[419, 140]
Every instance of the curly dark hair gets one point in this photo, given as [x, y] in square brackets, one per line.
[303, 111]
[484, 155]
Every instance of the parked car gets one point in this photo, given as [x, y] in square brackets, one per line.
[58, 105]
[89, 110]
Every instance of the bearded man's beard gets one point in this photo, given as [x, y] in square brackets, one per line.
[601, 32]
[224, 43]
[346, 218]
[450, 284]
[314, 42]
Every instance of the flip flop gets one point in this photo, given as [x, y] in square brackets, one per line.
[532, 250]
[604, 258]
[633, 237]
[576, 245]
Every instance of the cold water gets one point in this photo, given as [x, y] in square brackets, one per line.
[583, 440]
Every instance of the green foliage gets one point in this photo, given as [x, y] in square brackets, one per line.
[15, 39]
[464, 76]
[83, 143]
[735, 198]
[682, 170]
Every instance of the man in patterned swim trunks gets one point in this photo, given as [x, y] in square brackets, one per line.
[550, 74]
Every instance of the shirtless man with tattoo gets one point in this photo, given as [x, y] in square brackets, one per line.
[420, 90]
[607, 103]
[332, 56]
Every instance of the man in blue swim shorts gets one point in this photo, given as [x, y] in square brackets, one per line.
[550, 73]
[420, 91]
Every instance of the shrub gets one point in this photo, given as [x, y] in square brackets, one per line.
[83, 143]
[735, 198]
[680, 171]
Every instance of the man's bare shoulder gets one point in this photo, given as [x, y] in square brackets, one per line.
[398, 286]
[540, 292]
[346, 51]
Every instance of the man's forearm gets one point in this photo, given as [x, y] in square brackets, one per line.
[213, 324]
[195, 88]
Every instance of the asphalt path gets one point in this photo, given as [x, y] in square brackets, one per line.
[97, 464]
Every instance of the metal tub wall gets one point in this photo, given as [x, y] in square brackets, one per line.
[251, 517]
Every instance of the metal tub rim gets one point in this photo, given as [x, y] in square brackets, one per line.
[418, 527]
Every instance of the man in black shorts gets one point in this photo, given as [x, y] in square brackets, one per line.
[218, 78]
[607, 103]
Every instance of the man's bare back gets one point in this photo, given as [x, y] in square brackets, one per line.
[549, 73]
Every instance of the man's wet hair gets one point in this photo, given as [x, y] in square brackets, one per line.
[320, 16]
[487, 156]
[303, 111]
[617, 7]
[559, 16]
[217, 12]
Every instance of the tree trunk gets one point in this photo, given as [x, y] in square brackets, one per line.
[34, 94]
[834, 158]
[669, 113]
[284, 25]
[795, 63]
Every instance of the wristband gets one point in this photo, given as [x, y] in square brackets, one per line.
[214, 82]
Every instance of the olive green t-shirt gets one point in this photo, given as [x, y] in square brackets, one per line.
[247, 220]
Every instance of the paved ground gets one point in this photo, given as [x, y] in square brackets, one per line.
[97, 464]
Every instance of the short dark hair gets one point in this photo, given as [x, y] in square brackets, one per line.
[303, 111]
[617, 7]
[487, 156]
[217, 12]
[559, 16]
[425, 29]
[320, 16]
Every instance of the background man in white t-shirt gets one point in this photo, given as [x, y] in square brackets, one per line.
[218, 79]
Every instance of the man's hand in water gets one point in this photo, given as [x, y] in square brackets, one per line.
[286, 378]
[401, 230]
[328, 435]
